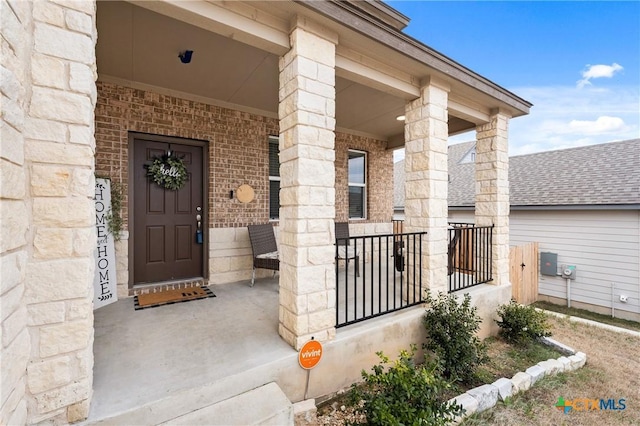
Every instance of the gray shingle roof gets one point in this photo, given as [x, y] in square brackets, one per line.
[605, 174]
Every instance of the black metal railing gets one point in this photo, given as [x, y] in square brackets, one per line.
[377, 274]
[469, 255]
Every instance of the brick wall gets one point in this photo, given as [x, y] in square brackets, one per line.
[238, 154]
[379, 177]
[238, 145]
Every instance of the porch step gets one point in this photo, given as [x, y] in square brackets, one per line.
[264, 405]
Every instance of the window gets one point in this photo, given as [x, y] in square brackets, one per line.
[357, 184]
[274, 178]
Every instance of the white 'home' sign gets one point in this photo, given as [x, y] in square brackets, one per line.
[104, 282]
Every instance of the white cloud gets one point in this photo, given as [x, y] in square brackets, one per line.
[603, 124]
[598, 71]
[568, 117]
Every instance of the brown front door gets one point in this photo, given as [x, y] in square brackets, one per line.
[165, 223]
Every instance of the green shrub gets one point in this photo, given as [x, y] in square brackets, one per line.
[451, 335]
[404, 393]
[115, 222]
[521, 324]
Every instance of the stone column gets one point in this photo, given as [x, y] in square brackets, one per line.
[307, 186]
[426, 179]
[55, 122]
[15, 341]
[492, 189]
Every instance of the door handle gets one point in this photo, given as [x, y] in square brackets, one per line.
[199, 236]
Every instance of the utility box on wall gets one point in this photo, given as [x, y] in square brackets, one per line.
[549, 263]
[569, 271]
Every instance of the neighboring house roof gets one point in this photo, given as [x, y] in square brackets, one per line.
[462, 175]
[595, 175]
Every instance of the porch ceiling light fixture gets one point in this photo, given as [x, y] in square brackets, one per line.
[185, 57]
[400, 118]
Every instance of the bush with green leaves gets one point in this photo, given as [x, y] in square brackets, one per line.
[404, 393]
[520, 324]
[451, 335]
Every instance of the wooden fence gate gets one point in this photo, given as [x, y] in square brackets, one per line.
[523, 273]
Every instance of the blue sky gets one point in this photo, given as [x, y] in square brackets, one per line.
[578, 62]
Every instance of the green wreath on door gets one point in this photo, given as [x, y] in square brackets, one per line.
[168, 171]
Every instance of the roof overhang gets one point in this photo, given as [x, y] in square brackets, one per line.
[237, 46]
[423, 61]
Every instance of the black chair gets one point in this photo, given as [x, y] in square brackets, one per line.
[265, 249]
[345, 251]
[398, 250]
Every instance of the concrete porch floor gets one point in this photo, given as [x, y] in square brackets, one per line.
[149, 364]
[147, 355]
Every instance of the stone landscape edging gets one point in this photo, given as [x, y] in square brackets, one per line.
[484, 397]
[504, 388]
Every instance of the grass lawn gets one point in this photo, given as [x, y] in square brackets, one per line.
[505, 360]
[607, 319]
[612, 371]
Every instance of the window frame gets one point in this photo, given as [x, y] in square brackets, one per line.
[273, 139]
[350, 184]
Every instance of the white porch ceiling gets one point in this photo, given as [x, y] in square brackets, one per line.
[141, 46]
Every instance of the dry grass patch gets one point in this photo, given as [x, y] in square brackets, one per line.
[612, 371]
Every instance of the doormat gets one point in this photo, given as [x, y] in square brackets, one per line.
[169, 297]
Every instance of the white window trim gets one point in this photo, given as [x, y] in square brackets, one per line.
[361, 185]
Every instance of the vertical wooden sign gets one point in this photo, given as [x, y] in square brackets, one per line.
[104, 282]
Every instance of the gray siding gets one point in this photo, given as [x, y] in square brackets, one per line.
[604, 246]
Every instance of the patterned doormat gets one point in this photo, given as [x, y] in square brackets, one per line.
[169, 297]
